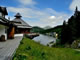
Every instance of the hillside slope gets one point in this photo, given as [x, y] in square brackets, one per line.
[30, 50]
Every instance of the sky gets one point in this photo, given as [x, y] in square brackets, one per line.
[41, 12]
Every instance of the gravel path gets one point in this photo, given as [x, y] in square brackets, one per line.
[8, 47]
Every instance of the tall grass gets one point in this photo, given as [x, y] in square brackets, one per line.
[30, 50]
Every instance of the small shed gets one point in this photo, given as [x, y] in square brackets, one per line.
[22, 27]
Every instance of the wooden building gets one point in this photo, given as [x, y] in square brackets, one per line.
[21, 27]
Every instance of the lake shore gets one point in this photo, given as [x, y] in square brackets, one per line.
[44, 39]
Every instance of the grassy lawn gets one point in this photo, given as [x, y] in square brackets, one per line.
[30, 50]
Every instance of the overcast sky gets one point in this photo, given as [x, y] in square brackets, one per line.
[41, 12]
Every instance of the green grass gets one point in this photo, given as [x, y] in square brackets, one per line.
[30, 50]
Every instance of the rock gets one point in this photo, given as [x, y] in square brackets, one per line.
[2, 38]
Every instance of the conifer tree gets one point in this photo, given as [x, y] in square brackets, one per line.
[64, 33]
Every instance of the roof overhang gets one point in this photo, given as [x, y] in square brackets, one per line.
[23, 27]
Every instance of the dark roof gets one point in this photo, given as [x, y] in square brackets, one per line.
[3, 10]
[22, 23]
[7, 22]
[4, 21]
[18, 15]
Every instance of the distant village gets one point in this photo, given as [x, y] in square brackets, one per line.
[10, 27]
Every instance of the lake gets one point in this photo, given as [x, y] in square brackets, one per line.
[44, 39]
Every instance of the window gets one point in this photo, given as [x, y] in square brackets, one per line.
[0, 14]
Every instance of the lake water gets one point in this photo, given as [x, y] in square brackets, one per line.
[43, 39]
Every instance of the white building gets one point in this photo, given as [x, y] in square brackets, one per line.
[3, 22]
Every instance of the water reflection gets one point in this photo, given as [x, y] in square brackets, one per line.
[43, 39]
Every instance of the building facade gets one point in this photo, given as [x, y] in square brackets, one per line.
[22, 26]
[3, 22]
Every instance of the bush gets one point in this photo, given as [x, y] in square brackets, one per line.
[21, 42]
[76, 44]
[57, 44]
[20, 57]
[28, 48]
[67, 45]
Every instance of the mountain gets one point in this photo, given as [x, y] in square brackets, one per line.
[37, 29]
[54, 29]
[47, 27]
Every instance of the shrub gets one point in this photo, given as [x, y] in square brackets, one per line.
[20, 57]
[28, 48]
[75, 43]
[21, 42]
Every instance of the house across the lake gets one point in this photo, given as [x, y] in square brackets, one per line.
[21, 27]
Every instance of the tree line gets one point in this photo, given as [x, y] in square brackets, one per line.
[71, 29]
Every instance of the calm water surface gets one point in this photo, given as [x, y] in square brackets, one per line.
[43, 39]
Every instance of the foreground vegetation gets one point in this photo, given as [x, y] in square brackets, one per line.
[30, 50]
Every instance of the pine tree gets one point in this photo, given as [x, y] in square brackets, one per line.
[73, 24]
[64, 33]
[71, 30]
